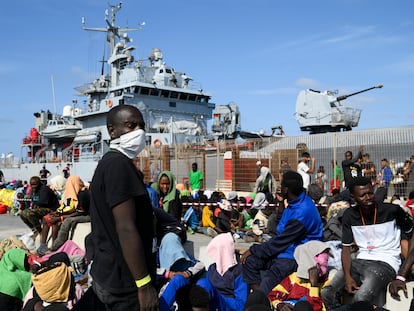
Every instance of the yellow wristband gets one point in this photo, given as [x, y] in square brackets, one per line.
[144, 281]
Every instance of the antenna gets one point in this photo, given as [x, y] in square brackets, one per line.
[53, 96]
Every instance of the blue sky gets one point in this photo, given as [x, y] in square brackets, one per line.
[258, 54]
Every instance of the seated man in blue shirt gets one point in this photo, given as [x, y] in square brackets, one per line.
[300, 223]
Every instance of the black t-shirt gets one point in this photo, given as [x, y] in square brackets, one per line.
[351, 169]
[84, 200]
[44, 197]
[43, 173]
[116, 180]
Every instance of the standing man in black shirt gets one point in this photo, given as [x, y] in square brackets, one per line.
[350, 166]
[121, 241]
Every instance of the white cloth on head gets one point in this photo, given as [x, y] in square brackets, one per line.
[305, 256]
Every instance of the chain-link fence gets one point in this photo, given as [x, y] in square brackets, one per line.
[227, 165]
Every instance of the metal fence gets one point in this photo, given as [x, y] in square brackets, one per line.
[232, 166]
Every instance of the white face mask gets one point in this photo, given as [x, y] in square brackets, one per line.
[130, 144]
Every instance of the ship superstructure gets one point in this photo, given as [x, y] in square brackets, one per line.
[175, 110]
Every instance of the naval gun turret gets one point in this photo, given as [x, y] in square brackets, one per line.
[321, 112]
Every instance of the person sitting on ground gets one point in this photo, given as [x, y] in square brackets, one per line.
[206, 216]
[300, 223]
[257, 301]
[399, 283]
[259, 231]
[306, 283]
[275, 217]
[192, 298]
[192, 216]
[54, 286]
[79, 215]
[245, 221]
[73, 210]
[233, 199]
[43, 202]
[16, 279]
[169, 195]
[177, 269]
[224, 282]
[375, 229]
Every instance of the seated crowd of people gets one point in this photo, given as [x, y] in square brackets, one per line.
[302, 254]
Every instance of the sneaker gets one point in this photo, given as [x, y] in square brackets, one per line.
[211, 232]
[190, 230]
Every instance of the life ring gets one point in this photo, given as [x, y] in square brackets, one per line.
[157, 142]
[109, 103]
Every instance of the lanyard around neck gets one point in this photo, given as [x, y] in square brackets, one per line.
[363, 219]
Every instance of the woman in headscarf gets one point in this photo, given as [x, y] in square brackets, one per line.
[15, 280]
[169, 195]
[265, 182]
[224, 280]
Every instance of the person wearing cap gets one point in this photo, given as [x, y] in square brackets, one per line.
[300, 223]
[259, 231]
[223, 223]
[375, 228]
[306, 283]
[233, 199]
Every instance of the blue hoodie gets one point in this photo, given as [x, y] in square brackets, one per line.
[300, 223]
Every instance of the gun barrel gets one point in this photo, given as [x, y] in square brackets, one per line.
[342, 97]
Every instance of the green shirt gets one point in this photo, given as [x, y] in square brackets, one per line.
[195, 179]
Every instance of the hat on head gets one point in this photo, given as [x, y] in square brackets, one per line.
[260, 201]
[259, 163]
[232, 195]
[225, 205]
[305, 256]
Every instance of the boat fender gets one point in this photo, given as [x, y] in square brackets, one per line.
[157, 142]
[109, 103]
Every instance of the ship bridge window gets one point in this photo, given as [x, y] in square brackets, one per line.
[167, 70]
[161, 71]
[144, 91]
[173, 104]
[165, 93]
[183, 96]
[155, 92]
[174, 95]
[192, 97]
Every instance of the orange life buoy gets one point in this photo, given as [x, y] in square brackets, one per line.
[157, 142]
[109, 103]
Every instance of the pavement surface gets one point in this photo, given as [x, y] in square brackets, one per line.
[11, 225]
